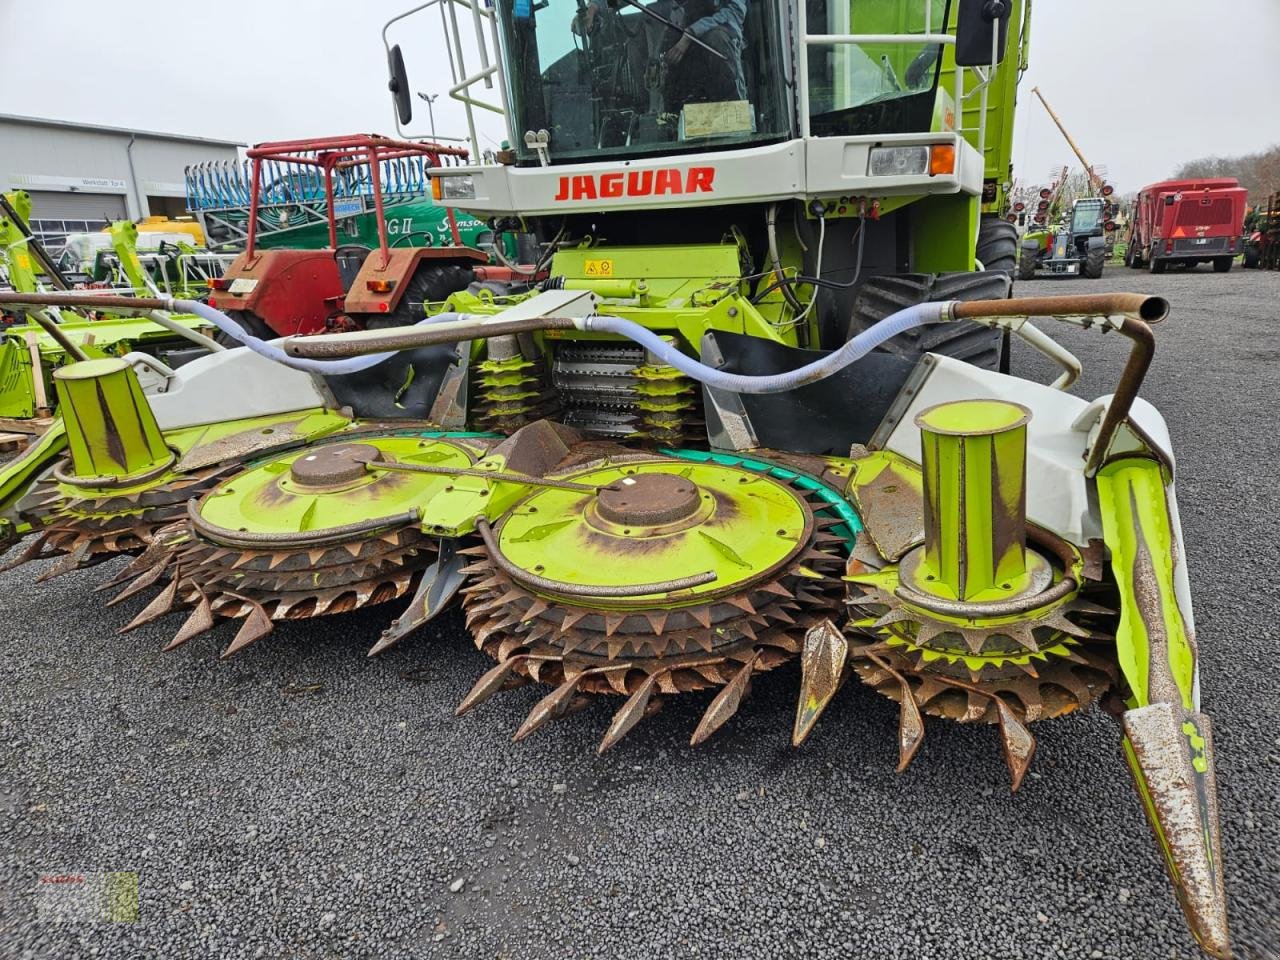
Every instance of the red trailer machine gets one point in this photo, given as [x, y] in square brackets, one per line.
[281, 292]
[1186, 222]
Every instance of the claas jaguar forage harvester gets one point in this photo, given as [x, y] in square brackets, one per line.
[747, 406]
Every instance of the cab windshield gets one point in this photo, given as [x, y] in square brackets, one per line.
[1085, 217]
[631, 78]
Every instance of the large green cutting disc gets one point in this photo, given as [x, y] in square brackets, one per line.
[658, 522]
[312, 494]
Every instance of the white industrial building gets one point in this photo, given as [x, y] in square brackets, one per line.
[82, 176]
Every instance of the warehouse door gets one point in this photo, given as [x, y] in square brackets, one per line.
[54, 214]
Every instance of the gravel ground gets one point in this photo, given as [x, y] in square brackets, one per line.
[303, 801]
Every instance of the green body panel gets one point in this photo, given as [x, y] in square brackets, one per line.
[1002, 95]
[1154, 642]
[110, 427]
[943, 229]
[684, 291]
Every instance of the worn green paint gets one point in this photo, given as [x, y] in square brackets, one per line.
[1138, 531]
[974, 469]
[746, 525]
[111, 430]
[836, 503]
[265, 497]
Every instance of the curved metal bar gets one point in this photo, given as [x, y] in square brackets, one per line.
[1067, 555]
[302, 538]
[597, 591]
[1136, 312]
[503, 475]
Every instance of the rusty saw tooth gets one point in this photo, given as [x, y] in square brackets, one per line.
[139, 584]
[489, 683]
[256, 626]
[67, 563]
[157, 553]
[725, 703]
[821, 672]
[571, 617]
[200, 620]
[657, 621]
[1017, 741]
[161, 604]
[632, 712]
[553, 705]
[910, 722]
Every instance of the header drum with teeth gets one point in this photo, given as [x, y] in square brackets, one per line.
[323, 530]
[671, 577]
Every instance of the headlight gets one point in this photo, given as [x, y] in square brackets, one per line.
[454, 188]
[898, 161]
[940, 158]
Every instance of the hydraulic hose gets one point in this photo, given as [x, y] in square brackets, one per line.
[891, 326]
[268, 349]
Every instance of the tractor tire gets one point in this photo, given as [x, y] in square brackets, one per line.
[964, 340]
[1222, 264]
[1128, 257]
[1094, 261]
[1156, 265]
[1252, 257]
[1027, 258]
[997, 247]
[251, 322]
[431, 282]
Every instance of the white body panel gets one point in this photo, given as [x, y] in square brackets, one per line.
[232, 385]
[800, 169]
[1059, 497]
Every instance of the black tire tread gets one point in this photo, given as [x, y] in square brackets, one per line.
[967, 341]
[997, 245]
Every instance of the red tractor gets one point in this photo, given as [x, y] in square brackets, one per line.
[280, 292]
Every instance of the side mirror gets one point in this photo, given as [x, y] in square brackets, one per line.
[975, 19]
[399, 85]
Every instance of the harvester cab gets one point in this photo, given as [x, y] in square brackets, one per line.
[743, 408]
[281, 291]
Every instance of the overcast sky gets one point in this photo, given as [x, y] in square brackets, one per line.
[1141, 84]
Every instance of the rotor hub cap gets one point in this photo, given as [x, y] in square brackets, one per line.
[648, 500]
[334, 465]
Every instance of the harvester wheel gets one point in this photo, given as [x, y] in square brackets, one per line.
[1094, 261]
[1156, 265]
[997, 245]
[978, 345]
[1221, 264]
[1027, 261]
